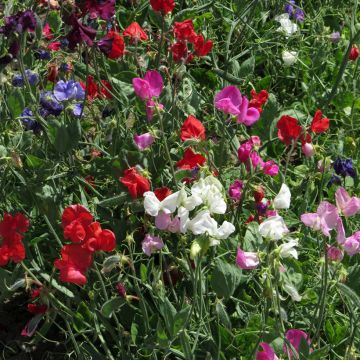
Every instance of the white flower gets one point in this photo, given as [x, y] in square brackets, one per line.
[153, 205]
[273, 228]
[282, 199]
[289, 57]
[183, 215]
[288, 249]
[286, 25]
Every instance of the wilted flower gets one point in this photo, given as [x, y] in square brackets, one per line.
[287, 249]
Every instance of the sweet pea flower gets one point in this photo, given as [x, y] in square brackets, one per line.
[334, 253]
[235, 190]
[352, 244]
[150, 86]
[230, 101]
[153, 206]
[289, 57]
[324, 220]
[294, 337]
[143, 141]
[151, 107]
[270, 168]
[151, 243]
[349, 206]
[69, 90]
[246, 260]
[273, 228]
[282, 199]
[286, 25]
[267, 353]
[288, 249]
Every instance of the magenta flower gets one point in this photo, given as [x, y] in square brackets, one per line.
[347, 205]
[244, 151]
[325, 219]
[334, 253]
[256, 160]
[230, 101]
[235, 190]
[270, 168]
[150, 86]
[246, 260]
[151, 243]
[143, 141]
[352, 244]
[267, 353]
[150, 105]
[294, 337]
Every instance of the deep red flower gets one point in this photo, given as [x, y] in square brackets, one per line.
[135, 32]
[74, 262]
[35, 293]
[181, 53]
[53, 72]
[319, 124]
[184, 31]
[136, 183]
[201, 47]
[258, 100]
[47, 33]
[354, 53]
[112, 45]
[190, 160]
[54, 46]
[37, 308]
[99, 239]
[288, 129]
[105, 88]
[104, 9]
[12, 229]
[192, 128]
[79, 33]
[259, 194]
[164, 6]
[94, 91]
[162, 193]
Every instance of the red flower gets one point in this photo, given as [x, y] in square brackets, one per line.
[164, 6]
[258, 100]
[135, 32]
[192, 128]
[74, 262]
[184, 31]
[162, 193]
[105, 88]
[99, 239]
[259, 194]
[190, 160]
[354, 53]
[54, 46]
[11, 233]
[37, 309]
[288, 129]
[112, 45]
[180, 52]
[47, 33]
[135, 183]
[319, 124]
[53, 72]
[94, 91]
[201, 47]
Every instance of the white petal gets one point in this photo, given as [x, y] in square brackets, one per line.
[151, 203]
[282, 199]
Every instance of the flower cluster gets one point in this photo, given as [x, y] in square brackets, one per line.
[86, 236]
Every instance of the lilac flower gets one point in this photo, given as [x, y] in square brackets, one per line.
[143, 141]
[50, 104]
[151, 243]
[344, 167]
[69, 90]
[299, 15]
[335, 37]
[352, 244]
[150, 86]
[324, 220]
[230, 101]
[288, 8]
[235, 190]
[77, 109]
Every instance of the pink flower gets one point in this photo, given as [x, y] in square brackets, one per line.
[256, 160]
[162, 221]
[230, 101]
[246, 260]
[267, 353]
[324, 220]
[340, 236]
[149, 87]
[347, 205]
[352, 244]
[244, 151]
[308, 149]
[235, 190]
[294, 337]
[143, 141]
[150, 105]
[255, 141]
[151, 243]
[334, 253]
[270, 168]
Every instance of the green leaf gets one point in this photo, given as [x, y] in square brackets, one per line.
[34, 162]
[349, 294]
[247, 67]
[112, 305]
[113, 201]
[16, 103]
[54, 21]
[180, 319]
[143, 273]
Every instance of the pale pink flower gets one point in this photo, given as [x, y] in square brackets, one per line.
[143, 141]
[324, 220]
[267, 353]
[150, 108]
[294, 337]
[151, 243]
[308, 149]
[347, 205]
[334, 253]
[246, 260]
[352, 244]
[162, 221]
[150, 86]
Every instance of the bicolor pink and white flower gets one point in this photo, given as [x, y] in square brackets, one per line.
[247, 260]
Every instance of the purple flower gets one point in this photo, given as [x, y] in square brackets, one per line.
[20, 22]
[288, 8]
[299, 15]
[50, 104]
[294, 337]
[150, 86]
[17, 80]
[230, 101]
[68, 90]
[79, 33]
[27, 118]
[77, 109]
[32, 77]
[105, 9]
[235, 190]
[151, 243]
[344, 167]
[143, 141]
[335, 37]
[349, 206]
[261, 208]
[352, 244]
[42, 54]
